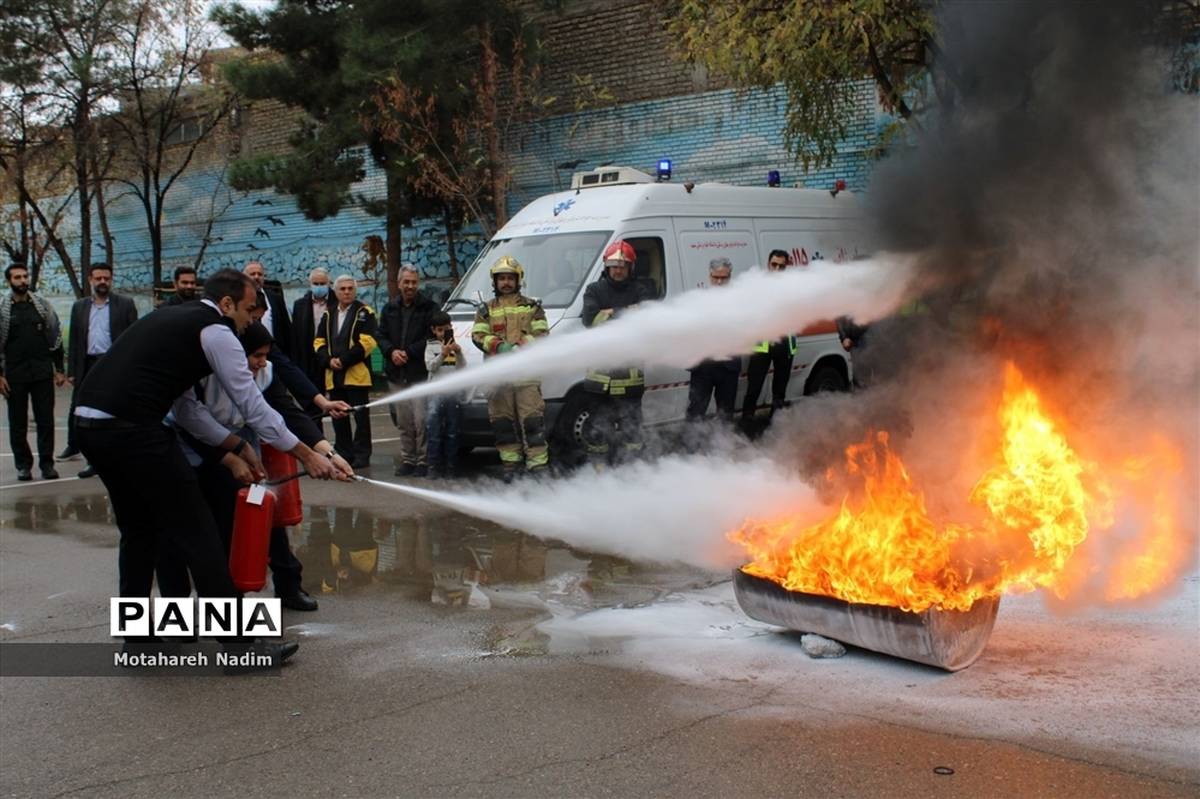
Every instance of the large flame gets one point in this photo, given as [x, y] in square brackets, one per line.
[1037, 503]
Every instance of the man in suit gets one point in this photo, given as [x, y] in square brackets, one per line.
[276, 320]
[307, 313]
[96, 322]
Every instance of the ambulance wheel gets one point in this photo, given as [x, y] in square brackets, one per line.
[826, 377]
[573, 430]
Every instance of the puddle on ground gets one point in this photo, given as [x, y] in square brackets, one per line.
[47, 515]
[448, 559]
[460, 562]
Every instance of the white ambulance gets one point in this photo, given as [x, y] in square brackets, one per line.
[676, 229]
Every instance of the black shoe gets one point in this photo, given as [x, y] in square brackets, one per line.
[68, 454]
[278, 653]
[420, 471]
[24, 475]
[450, 473]
[360, 463]
[86, 472]
[298, 601]
[404, 470]
[49, 473]
[509, 475]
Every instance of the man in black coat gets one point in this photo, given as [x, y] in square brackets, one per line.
[277, 322]
[185, 286]
[96, 322]
[403, 330]
[616, 394]
[307, 313]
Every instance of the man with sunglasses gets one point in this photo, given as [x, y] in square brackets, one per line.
[767, 354]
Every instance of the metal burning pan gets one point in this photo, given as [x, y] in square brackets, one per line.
[948, 639]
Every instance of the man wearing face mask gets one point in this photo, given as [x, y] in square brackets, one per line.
[307, 313]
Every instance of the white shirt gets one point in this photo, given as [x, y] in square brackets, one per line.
[267, 320]
[225, 355]
[99, 336]
[341, 317]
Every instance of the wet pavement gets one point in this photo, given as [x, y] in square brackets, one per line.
[452, 656]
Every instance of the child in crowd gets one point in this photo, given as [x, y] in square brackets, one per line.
[442, 354]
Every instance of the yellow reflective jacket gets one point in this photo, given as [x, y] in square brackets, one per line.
[509, 319]
[353, 344]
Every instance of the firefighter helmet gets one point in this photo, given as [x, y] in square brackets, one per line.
[620, 252]
[507, 265]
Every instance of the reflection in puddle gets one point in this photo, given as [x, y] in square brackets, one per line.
[448, 560]
[459, 562]
[44, 515]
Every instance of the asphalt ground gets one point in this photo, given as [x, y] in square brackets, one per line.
[451, 657]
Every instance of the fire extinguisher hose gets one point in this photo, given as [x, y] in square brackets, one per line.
[287, 479]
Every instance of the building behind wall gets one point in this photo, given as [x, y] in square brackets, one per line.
[623, 99]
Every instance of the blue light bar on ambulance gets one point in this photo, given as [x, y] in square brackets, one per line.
[664, 169]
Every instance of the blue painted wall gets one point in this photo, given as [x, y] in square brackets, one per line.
[728, 136]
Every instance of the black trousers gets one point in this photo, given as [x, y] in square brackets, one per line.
[41, 392]
[707, 381]
[618, 428]
[88, 363]
[356, 446]
[159, 507]
[220, 492]
[777, 355]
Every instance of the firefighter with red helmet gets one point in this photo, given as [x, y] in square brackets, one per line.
[516, 411]
[617, 392]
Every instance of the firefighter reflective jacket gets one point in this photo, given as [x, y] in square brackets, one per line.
[628, 381]
[510, 319]
[765, 346]
[353, 343]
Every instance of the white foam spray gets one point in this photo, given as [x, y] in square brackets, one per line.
[699, 324]
[675, 510]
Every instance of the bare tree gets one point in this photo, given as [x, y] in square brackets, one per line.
[64, 52]
[169, 111]
[31, 156]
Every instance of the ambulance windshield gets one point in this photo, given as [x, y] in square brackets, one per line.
[555, 266]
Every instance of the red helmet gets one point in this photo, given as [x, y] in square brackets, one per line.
[620, 252]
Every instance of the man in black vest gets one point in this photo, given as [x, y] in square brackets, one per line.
[149, 371]
[96, 322]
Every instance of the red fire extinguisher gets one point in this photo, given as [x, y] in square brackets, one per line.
[281, 473]
[252, 522]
